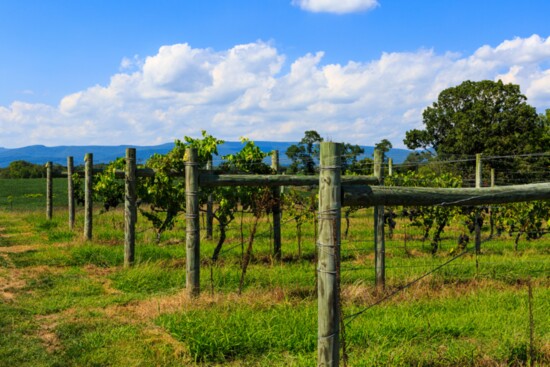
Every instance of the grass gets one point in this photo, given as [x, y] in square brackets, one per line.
[69, 302]
[30, 194]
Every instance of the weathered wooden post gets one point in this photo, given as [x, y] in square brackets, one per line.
[276, 209]
[491, 219]
[478, 211]
[390, 167]
[192, 240]
[70, 191]
[88, 204]
[379, 240]
[130, 207]
[209, 208]
[328, 250]
[49, 191]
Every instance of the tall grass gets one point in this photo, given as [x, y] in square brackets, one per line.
[472, 312]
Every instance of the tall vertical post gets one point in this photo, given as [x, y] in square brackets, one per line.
[192, 230]
[477, 224]
[379, 240]
[478, 170]
[70, 191]
[491, 219]
[276, 209]
[49, 190]
[328, 250]
[130, 207]
[209, 208]
[390, 167]
[88, 204]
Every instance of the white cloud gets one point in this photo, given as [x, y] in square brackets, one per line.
[336, 6]
[242, 91]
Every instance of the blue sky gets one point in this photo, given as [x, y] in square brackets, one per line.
[133, 72]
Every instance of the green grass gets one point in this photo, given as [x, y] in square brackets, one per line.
[19, 344]
[472, 312]
[245, 331]
[30, 194]
[51, 292]
[149, 279]
[451, 331]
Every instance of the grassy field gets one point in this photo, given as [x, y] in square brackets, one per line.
[66, 302]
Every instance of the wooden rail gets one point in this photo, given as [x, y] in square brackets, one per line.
[334, 191]
[426, 196]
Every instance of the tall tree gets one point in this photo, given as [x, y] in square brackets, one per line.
[384, 145]
[486, 117]
[304, 154]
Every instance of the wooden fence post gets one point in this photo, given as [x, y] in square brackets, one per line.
[192, 240]
[390, 167]
[379, 240]
[49, 190]
[130, 207]
[88, 204]
[477, 225]
[70, 191]
[276, 209]
[491, 219]
[209, 208]
[328, 250]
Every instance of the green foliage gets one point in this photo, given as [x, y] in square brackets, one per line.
[384, 145]
[416, 159]
[301, 206]
[432, 219]
[350, 164]
[78, 189]
[485, 117]
[165, 193]
[24, 169]
[206, 147]
[250, 159]
[107, 188]
[526, 218]
[304, 154]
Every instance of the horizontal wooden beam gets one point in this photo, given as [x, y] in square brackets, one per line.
[209, 180]
[425, 196]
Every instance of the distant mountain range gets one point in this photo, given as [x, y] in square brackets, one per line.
[40, 154]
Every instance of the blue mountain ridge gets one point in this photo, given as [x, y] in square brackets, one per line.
[40, 154]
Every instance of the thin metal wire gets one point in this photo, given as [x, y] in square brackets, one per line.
[408, 285]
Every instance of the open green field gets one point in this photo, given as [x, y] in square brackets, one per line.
[30, 193]
[66, 302]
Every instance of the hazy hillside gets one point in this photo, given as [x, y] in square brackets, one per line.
[40, 154]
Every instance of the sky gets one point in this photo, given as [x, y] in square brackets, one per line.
[97, 72]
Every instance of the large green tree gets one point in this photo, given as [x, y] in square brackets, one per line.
[304, 154]
[485, 117]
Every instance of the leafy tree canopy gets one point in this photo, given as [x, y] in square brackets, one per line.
[384, 145]
[486, 117]
[304, 154]
[24, 169]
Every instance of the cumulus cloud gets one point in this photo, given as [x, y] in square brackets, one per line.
[243, 91]
[336, 6]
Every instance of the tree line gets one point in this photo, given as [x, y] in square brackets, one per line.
[485, 117]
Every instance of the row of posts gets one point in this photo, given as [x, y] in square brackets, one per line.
[328, 242]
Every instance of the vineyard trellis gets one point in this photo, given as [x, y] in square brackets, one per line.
[335, 191]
